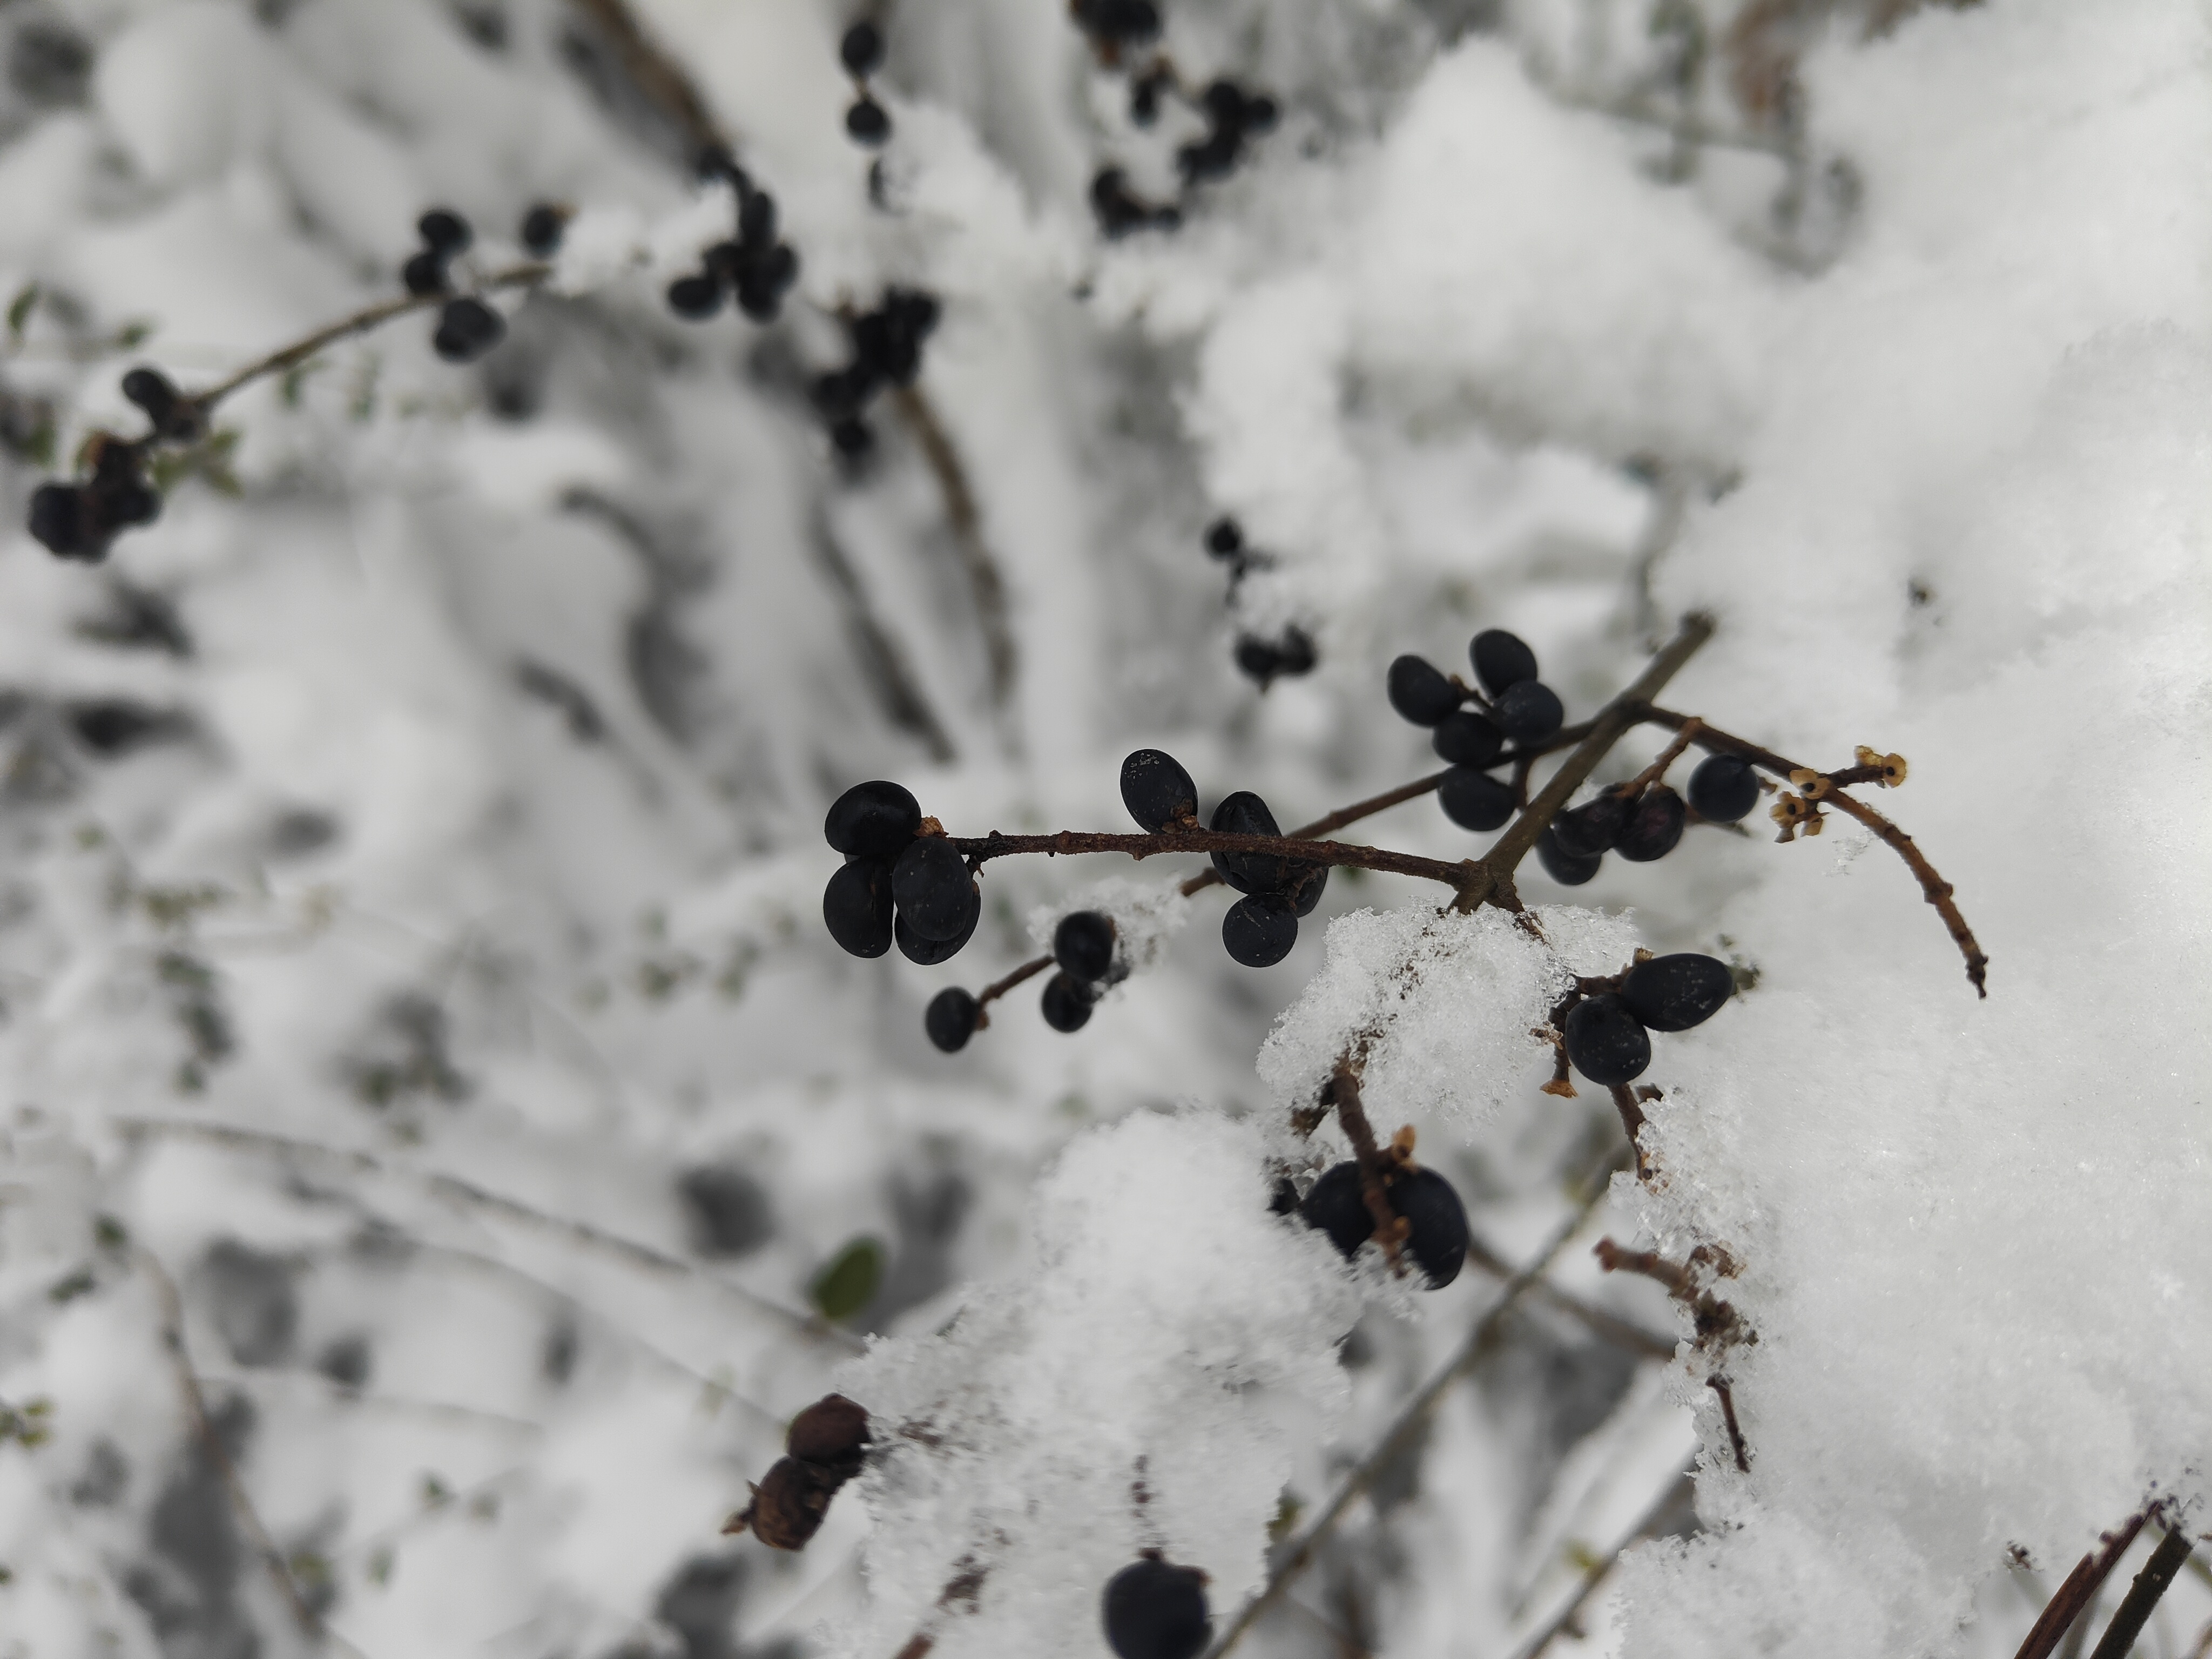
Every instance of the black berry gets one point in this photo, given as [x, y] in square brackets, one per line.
[1567, 867]
[1225, 539]
[856, 906]
[1335, 1205]
[1529, 712]
[1723, 789]
[1673, 994]
[1066, 1003]
[1436, 1222]
[1259, 929]
[695, 297]
[928, 952]
[951, 1018]
[935, 893]
[1152, 1610]
[1420, 691]
[424, 274]
[1157, 792]
[1587, 830]
[757, 221]
[1120, 210]
[862, 49]
[164, 406]
[1466, 739]
[1118, 21]
[1266, 660]
[1083, 944]
[852, 437]
[1653, 828]
[1606, 1042]
[872, 820]
[541, 229]
[467, 328]
[1307, 884]
[1501, 660]
[445, 233]
[1245, 814]
[867, 121]
[1473, 800]
[62, 520]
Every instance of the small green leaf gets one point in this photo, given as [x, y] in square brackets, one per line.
[849, 1283]
[19, 309]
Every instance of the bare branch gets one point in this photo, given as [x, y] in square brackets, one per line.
[2081, 1585]
[2158, 1573]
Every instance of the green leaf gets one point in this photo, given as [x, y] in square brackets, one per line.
[849, 1283]
[19, 309]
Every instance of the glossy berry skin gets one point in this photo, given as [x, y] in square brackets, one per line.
[861, 51]
[1501, 660]
[1606, 1042]
[856, 907]
[1587, 830]
[1245, 814]
[467, 328]
[867, 123]
[928, 952]
[1568, 868]
[1420, 691]
[1066, 1003]
[424, 274]
[1083, 944]
[1335, 1205]
[1474, 800]
[1466, 739]
[541, 229]
[1152, 1610]
[695, 297]
[951, 1018]
[1308, 882]
[1653, 828]
[934, 889]
[1724, 788]
[445, 233]
[875, 819]
[1673, 993]
[1156, 790]
[1529, 712]
[1437, 1221]
[1259, 930]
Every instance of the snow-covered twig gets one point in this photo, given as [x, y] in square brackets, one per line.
[2071, 1597]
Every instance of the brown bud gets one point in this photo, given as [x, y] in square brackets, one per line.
[831, 1432]
[788, 1505]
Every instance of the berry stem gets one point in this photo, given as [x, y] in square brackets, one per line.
[1631, 1119]
[1672, 752]
[999, 987]
[1719, 1385]
[1343, 1093]
[979, 848]
[2073, 1597]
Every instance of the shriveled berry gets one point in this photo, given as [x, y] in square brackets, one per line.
[541, 229]
[1568, 868]
[867, 121]
[1437, 1234]
[1474, 800]
[831, 1434]
[697, 297]
[1259, 929]
[928, 952]
[1673, 993]
[1083, 944]
[875, 819]
[856, 906]
[862, 48]
[1225, 539]
[1724, 788]
[788, 1504]
[1466, 739]
[1529, 712]
[1156, 791]
[1244, 813]
[1654, 827]
[1587, 830]
[60, 519]
[950, 1018]
[1420, 691]
[445, 233]
[1153, 1610]
[424, 274]
[934, 889]
[1606, 1042]
[467, 328]
[1067, 1003]
[1501, 660]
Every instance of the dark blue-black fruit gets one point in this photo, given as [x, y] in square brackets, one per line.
[951, 1018]
[1156, 791]
[1564, 865]
[856, 906]
[1724, 788]
[1529, 711]
[1259, 929]
[1307, 884]
[1474, 800]
[541, 229]
[1606, 1042]
[1501, 659]
[424, 274]
[1335, 1205]
[935, 892]
[1673, 994]
[1154, 1610]
[696, 296]
[875, 819]
[1225, 539]
[1436, 1220]
[1653, 828]
[467, 328]
[1420, 691]
[861, 51]
[757, 221]
[445, 233]
[1244, 813]
[155, 393]
[867, 121]
[928, 952]
[1118, 21]
[1066, 1003]
[1083, 944]
[1587, 830]
[1466, 739]
[60, 519]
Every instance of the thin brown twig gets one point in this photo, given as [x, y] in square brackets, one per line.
[999, 987]
[203, 1426]
[1351, 1116]
[985, 585]
[2134, 1610]
[657, 77]
[2081, 1584]
[1071, 842]
[1719, 1385]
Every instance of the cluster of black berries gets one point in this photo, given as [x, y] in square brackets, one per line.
[862, 50]
[1233, 116]
[82, 520]
[1122, 212]
[898, 883]
[1646, 824]
[1512, 703]
[1114, 24]
[824, 1448]
[1607, 1031]
[467, 327]
[1083, 949]
[1154, 1609]
[886, 351]
[754, 266]
[1259, 658]
[1260, 927]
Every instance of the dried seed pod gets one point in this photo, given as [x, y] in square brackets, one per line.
[788, 1505]
[831, 1433]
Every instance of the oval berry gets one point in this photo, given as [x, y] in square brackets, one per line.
[1156, 790]
[1653, 828]
[1587, 830]
[1724, 788]
[950, 1019]
[1606, 1042]
[1474, 800]
[1529, 712]
[1244, 813]
[1568, 869]
[1066, 1003]
[1153, 1610]
[1466, 739]
[1083, 944]
[875, 819]
[934, 890]
[856, 906]
[1420, 691]
[1502, 661]
[1673, 993]
[1259, 930]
